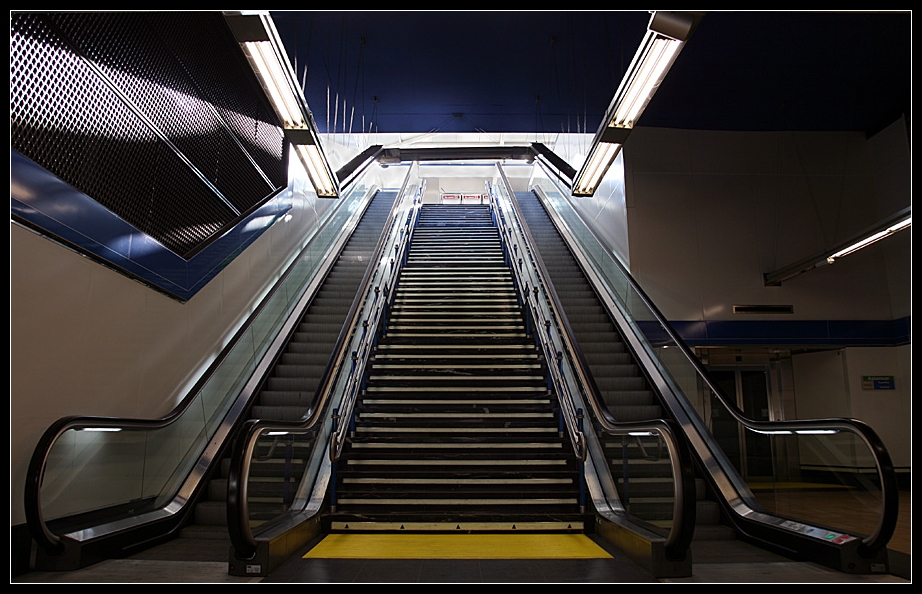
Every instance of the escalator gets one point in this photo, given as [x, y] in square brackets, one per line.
[457, 413]
[629, 385]
[452, 313]
[294, 381]
[622, 385]
[291, 387]
[194, 525]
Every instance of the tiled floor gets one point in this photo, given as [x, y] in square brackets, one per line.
[728, 562]
[750, 565]
[759, 567]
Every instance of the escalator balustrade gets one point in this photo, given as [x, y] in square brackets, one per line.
[638, 464]
[289, 391]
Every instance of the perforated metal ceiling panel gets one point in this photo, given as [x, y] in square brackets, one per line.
[156, 116]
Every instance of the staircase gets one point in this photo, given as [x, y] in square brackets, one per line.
[292, 385]
[648, 490]
[457, 428]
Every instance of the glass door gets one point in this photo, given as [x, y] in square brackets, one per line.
[748, 388]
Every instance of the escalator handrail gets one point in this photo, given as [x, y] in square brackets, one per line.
[238, 524]
[243, 541]
[338, 437]
[882, 533]
[529, 293]
[38, 527]
[530, 296]
[684, 507]
[603, 415]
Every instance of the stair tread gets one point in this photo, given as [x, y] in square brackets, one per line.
[451, 385]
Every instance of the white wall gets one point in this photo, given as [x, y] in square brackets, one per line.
[829, 384]
[888, 412]
[891, 156]
[710, 212]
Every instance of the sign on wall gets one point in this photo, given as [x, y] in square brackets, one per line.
[878, 382]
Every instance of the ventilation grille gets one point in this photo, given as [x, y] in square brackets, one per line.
[763, 309]
[156, 116]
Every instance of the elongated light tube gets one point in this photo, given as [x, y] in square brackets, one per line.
[597, 164]
[885, 228]
[313, 161]
[273, 79]
[655, 57]
[869, 240]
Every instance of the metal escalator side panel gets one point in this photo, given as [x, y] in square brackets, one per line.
[291, 387]
[262, 487]
[275, 536]
[666, 523]
[149, 521]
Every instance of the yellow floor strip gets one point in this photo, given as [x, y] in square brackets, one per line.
[457, 546]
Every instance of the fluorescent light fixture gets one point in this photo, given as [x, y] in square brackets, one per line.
[654, 58]
[666, 34]
[273, 79]
[312, 158]
[797, 431]
[101, 429]
[595, 167]
[862, 243]
[255, 32]
[887, 227]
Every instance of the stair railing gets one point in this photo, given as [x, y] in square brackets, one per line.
[829, 445]
[74, 455]
[576, 389]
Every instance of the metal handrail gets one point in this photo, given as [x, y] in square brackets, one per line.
[529, 290]
[871, 544]
[682, 531]
[360, 358]
[371, 327]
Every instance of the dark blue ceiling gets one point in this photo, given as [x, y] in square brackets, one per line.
[540, 72]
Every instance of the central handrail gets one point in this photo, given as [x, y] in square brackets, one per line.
[681, 532]
[529, 287]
